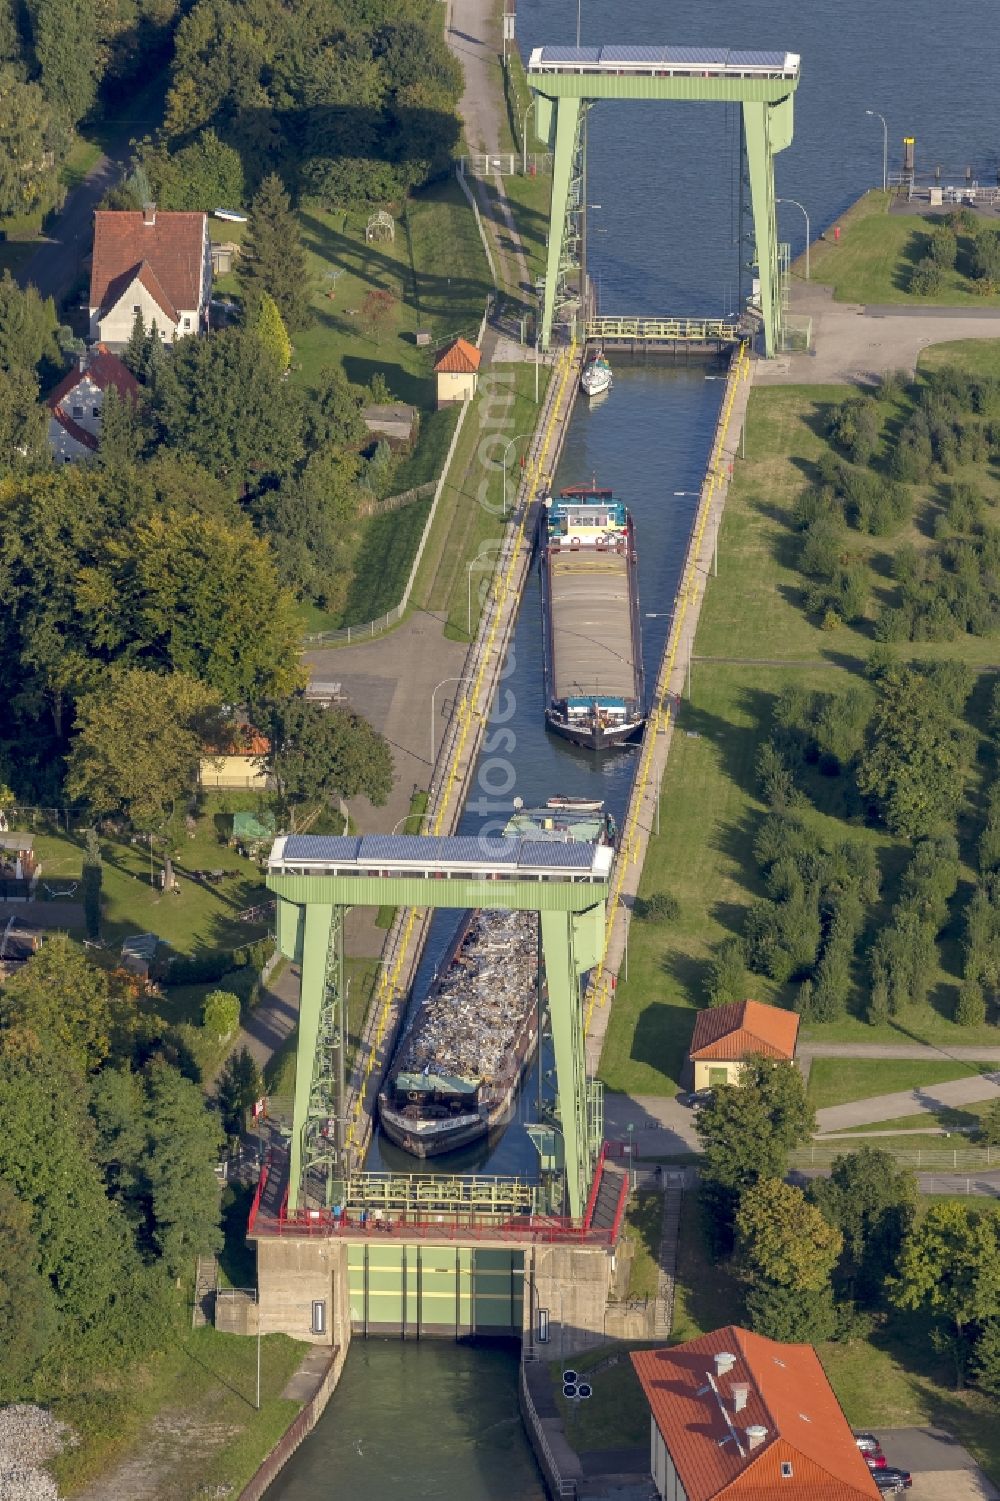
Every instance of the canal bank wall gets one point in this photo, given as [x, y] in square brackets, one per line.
[456, 760]
[642, 816]
[315, 1405]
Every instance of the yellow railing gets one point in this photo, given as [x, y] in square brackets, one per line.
[694, 330]
[467, 713]
[630, 842]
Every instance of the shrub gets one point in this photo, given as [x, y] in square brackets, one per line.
[926, 277]
[660, 907]
[970, 1010]
[727, 974]
[942, 247]
[220, 1015]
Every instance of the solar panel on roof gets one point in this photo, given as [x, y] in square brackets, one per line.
[534, 852]
[649, 55]
[570, 54]
[321, 847]
[744, 59]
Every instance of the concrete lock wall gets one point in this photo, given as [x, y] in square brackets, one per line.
[296, 1275]
[571, 1286]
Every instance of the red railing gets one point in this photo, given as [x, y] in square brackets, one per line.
[588, 1213]
[549, 1229]
[616, 1223]
[255, 1206]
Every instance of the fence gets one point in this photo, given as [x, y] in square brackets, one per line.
[509, 163]
[559, 1484]
[921, 1159]
[375, 507]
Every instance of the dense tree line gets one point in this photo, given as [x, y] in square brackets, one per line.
[838, 1257]
[962, 241]
[981, 945]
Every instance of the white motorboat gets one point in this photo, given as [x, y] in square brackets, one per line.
[596, 376]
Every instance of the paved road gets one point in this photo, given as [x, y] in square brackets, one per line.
[887, 1107]
[876, 1050]
[980, 1185]
[57, 263]
[662, 1127]
[474, 37]
[942, 1469]
[853, 344]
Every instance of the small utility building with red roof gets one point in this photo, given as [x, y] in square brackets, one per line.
[156, 264]
[457, 372]
[726, 1035]
[76, 406]
[737, 1417]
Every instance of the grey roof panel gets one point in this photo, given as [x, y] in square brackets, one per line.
[560, 856]
[570, 54]
[465, 848]
[320, 847]
[740, 58]
[621, 54]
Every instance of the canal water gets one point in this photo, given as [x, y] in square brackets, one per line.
[435, 1419]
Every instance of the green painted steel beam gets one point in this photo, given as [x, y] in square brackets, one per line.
[424, 891]
[317, 924]
[560, 934]
[768, 127]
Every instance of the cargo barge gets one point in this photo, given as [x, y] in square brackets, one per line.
[594, 684]
[458, 1066]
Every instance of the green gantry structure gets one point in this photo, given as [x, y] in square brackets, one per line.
[566, 80]
[316, 878]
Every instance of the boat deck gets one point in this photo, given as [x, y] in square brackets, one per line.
[591, 625]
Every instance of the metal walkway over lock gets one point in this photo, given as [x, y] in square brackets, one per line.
[317, 878]
[567, 80]
[613, 329]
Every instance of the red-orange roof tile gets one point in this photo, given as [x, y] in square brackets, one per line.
[104, 369]
[460, 358]
[807, 1453]
[730, 1032]
[170, 252]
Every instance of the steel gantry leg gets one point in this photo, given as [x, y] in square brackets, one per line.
[570, 945]
[565, 148]
[317, 924]
[767, 130]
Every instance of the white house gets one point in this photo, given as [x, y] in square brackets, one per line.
[156, 264]
[76, 406]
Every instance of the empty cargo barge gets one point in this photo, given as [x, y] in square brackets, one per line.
[594, 687]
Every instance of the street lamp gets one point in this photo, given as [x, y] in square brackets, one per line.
[516, 439]
[406, 818]
[433, 692]
[578, 5]
[524, 136]
[875, 114]
[468, 570]
[801, 206]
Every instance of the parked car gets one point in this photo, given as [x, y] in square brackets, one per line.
[874, 1461]
[868, 1443]
[891, 1481]
[696, 1098]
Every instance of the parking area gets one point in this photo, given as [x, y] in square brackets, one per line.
[942, 1470]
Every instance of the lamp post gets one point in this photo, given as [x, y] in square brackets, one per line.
[516, 439]
[802, 207]
[630, 1128]
[433, 692]
[406, 818]
[875, 114]
[468, 572]
[524, 138]
[578, 5]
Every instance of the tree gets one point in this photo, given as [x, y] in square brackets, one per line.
[239, 1086]
[220, 1014]
[27, 165]
[183, 1142]
[986, 1360]
[989, 1131]
[217, 401]
[333, 413]
[872, 1204]
[64, 1000]
[64, 36]
[203, 175]
[727, 977]
[27, 1307]
[121, 441]
[376, 310]
[28, 325]
[747, 1133]
[198, 596]
[134, 353]
[264, 320]
[273, 258]
[22, 422]
[789, 1315]
[913, 765]
[784, 1239]
[318, 753]
[950, 1263]
[138, 741]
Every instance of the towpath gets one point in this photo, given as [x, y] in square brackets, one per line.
[932, 1097]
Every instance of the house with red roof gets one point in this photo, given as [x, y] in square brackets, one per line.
[725, 1035]
[156, 264]
[457, 372]
[738, 1417]
[76, 406]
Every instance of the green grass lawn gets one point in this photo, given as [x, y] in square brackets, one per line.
[617, 1414]
[201, 1387]
[965, 1118]
[643, 1227]
[977, 356]
[707, 1295]
[754, 639]
[877, 252]
[196, 917]
[470, 514]
[836, 1081]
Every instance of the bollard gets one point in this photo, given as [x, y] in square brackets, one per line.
[836, 233]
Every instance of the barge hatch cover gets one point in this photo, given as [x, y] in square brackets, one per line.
[591, 625]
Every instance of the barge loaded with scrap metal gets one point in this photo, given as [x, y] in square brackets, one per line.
[456, 1070]
[594, 686]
